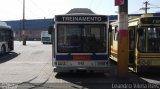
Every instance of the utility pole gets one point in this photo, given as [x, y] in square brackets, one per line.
[20, 32]
[23, 25]
[146, 7]
[123, 41]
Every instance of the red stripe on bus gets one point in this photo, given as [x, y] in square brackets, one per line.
[81, 57]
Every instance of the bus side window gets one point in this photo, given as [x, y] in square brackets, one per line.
[131, 39]
[158, 32]
[141, 39]
[0, 36]
[116, 33]
[140, 31]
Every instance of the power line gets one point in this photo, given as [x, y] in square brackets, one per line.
[135, 12]
[39, 8]
[146, 7]
[90, 5]
[155, 5]
[29, 9]
[20, 1]
[98, 5]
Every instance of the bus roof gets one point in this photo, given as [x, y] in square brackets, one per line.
[4, 25]
[80, 11]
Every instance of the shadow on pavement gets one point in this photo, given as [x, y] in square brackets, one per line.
[103, 81]
[7, 57]
[106, 81]
[152, 73]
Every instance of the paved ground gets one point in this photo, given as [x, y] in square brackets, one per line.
[30, 67]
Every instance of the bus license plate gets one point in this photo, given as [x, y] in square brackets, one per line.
[79, 63]
[82, 63]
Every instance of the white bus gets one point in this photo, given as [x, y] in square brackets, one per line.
[45, 37]
[80, 42]
[6, 38]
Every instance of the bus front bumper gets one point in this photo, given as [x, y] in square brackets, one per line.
[82, 69]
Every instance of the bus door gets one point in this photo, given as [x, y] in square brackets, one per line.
[131, 45]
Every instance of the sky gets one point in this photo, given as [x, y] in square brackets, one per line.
[40, 9]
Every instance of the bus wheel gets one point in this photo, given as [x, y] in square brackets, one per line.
[3, 50]
[139, 70]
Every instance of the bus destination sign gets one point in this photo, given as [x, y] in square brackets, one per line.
[150, 20]
[65, 18]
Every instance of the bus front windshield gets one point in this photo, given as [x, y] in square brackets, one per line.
[149, 40]
[80, 38]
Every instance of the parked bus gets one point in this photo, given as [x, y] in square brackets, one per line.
[45, 37]
[6, 38]
[144, 42]
[80, 42]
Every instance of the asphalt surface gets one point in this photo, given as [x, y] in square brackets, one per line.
[30, 67]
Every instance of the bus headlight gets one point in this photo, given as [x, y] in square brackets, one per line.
[60, 63]
[101, 63]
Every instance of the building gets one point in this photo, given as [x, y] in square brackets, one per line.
[34, 27]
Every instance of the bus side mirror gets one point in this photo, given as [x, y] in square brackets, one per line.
[110, 28]
[50, 29]
[140, 31]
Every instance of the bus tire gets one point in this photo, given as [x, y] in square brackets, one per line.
[139, 69]
[3, 50]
